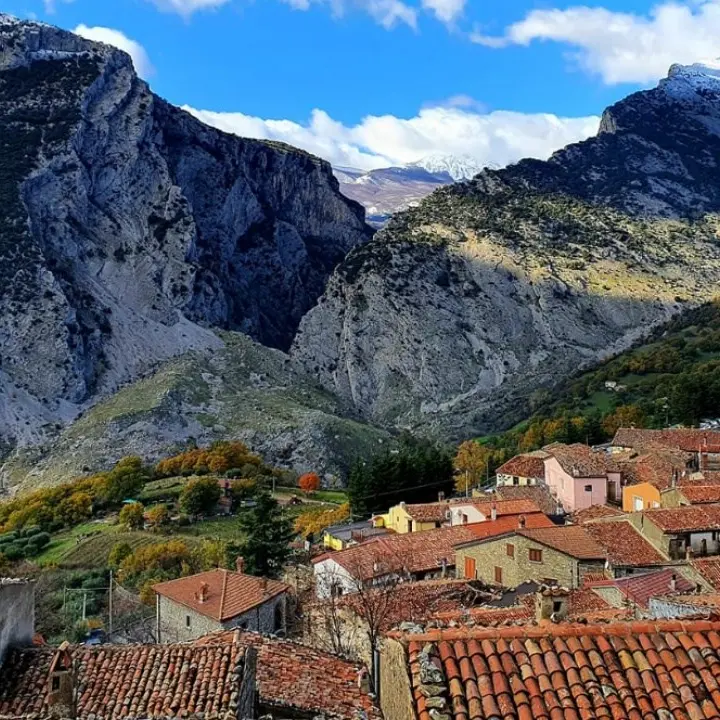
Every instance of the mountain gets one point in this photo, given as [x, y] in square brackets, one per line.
[461, 309]
[386, 191]
[458, 167]
[389, 190]
[130, 231]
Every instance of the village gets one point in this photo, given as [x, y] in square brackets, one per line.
[586, 578]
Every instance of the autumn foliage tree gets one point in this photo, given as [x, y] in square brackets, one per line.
[133, 516]
[200, 495]
[470, 464]
[309, 482]
[310, 523]
[218, 459]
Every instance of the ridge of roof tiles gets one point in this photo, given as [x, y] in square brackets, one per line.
[595, 512]
[227, 593]
[700, 494]
[687, 439]
[709, 569]
[138, 682]
[639, 670]
[580, 460]
[640, 588]
[529, 465]
[435, 512]
[686, 518]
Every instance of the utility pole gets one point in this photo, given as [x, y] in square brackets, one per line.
[110, 609]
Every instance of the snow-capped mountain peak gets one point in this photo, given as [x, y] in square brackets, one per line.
[458, 167]
[687, 80]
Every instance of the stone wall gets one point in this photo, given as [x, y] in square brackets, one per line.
[182, 624]
[556, 566]
[248, 686]
[17, 613]
[396, 700]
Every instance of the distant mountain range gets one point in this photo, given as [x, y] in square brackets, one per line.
[385, 191]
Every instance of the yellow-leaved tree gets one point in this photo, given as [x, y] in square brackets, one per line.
[470, 465]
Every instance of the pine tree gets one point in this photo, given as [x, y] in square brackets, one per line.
[268, 535]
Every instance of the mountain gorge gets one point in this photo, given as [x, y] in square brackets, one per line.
[130, 230]
[457, 312]
[166, 283]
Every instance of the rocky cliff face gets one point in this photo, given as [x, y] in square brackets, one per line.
[457, 312]
[129, 229]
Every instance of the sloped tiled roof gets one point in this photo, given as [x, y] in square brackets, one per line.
[228, 594]
[640, 588]
[427, 512]
[624, 545]
[435, 512]
[572, 540]
[292, 676]
[687, 439]
[506, 524]
[634, 671]
[701, 494]
[709, 569]
[579, 460]
[410, 552]
[685, 519]
[594, 512]
[538, 494]
[527, 465]
[129, 681]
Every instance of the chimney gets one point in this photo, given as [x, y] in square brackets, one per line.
[202, 594]
[521, 522]
[443, 568]
[240, 564]
[402, 503]
[61, 695]
[688, 552]
[674, 478]
[493, 511]
[575, 471]
[673, 583]
[441, 496]
[551, 604]
[264, 586]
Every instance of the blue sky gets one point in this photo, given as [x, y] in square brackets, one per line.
[371, 82]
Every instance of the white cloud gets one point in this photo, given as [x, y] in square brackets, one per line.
[496, 138]
[623, 47]
[387, 13]
[49, 6]
[187, 7]
[135, 50]
[446, 11]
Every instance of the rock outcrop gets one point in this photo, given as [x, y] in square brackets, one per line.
[129, 230]
[461, 309]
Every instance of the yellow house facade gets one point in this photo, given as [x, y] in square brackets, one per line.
[404, 518]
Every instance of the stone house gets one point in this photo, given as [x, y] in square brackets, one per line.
[549, 555]
[190, 607]
[406, 518]
[681, 532]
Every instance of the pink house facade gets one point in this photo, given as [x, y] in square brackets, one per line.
[577, 489]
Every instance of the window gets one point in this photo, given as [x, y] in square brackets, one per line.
[409, 525]
[510, 548]
[470, 568]
[637, 503]
[187, 621]
[557, 606]
[535, 555]
[498, 575]
[588, 488]
[55, 683]
[516, 480]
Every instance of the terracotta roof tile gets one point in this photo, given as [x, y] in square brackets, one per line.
[410, 552]
[580, 460]
[507, 524]
[293, 676]
[639, 671]
[595, 512]
[539, 494]
[435, 512]
[640, 588]
[709, 568]
[624, 545]
[227, 594]
[527, 465]
[572, 540]
[129, 681]
[687, 439]
[701, 494]
[685, 519]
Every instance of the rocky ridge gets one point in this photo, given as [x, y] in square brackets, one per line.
[130, 230]
[457, 312]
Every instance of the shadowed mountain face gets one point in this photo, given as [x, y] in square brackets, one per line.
[461, 308]
[129, 229]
